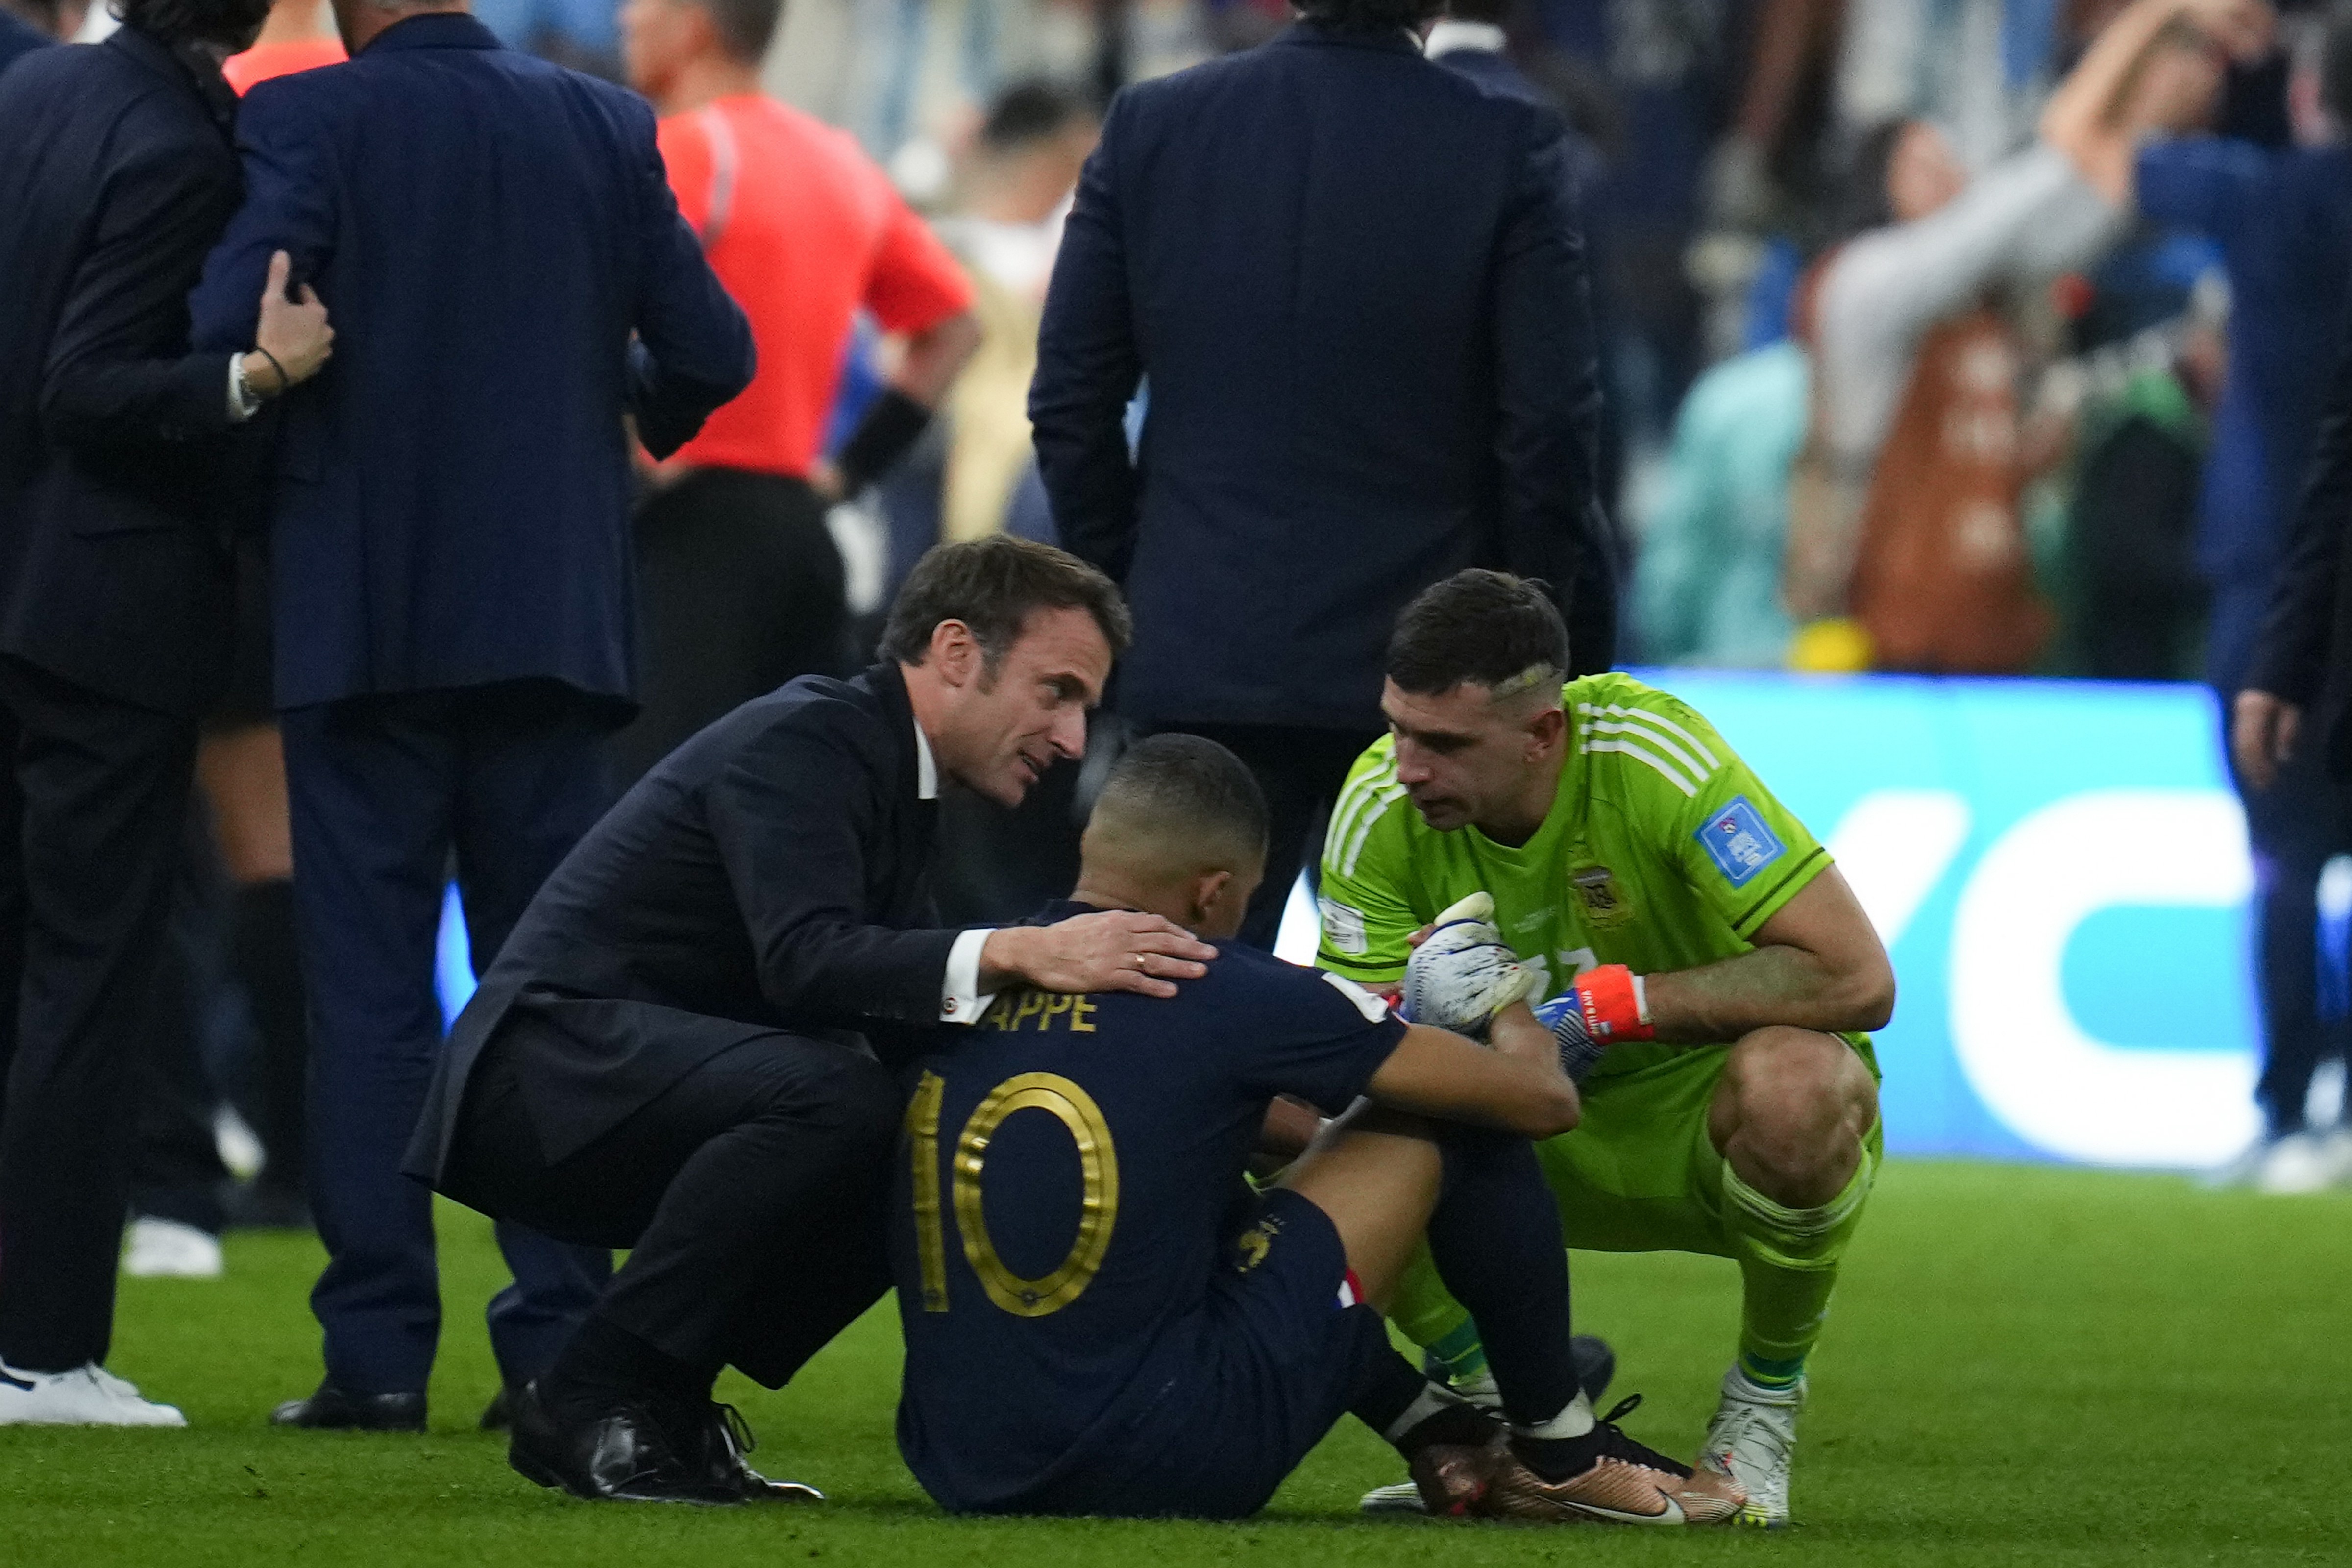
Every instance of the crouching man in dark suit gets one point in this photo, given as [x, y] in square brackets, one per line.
[660, 1057]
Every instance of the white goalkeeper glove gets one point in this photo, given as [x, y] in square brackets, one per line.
[1464, 974]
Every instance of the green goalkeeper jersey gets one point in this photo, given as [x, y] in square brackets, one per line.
[1661, 851]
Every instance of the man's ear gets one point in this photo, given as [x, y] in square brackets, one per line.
[1206, 888]
[955, 653]
[1546, 730]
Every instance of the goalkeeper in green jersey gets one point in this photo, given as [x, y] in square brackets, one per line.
[1705, 963]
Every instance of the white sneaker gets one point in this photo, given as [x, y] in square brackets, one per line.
[1753, 1439]
[166, 1249]
[88, 1395]
[2297, 1163]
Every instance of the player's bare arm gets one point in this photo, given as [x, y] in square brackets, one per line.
[1817, 964]
[1517, 1086]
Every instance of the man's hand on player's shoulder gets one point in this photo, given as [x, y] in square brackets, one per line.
[1115, 950]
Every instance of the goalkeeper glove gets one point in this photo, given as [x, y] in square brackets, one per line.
[1464, 974]
[1606, 1005]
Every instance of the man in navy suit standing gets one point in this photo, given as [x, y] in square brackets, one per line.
[451, 574]
[116, 176]
[1351, 285]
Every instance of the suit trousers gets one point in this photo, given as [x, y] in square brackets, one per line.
[92, 805]
[753, 1191]
[744, 590]
[2295, 827]
[1300, 767]
[386, 792]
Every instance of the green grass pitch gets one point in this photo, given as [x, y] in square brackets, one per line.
[2024, 1366]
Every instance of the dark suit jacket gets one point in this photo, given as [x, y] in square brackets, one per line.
[485, 229]
[769, 874]
[116, 174]
[18, 37]
[1353, 283]
[2305, 653]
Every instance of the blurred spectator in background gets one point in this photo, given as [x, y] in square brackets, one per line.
[114, 628]
[297, 38]
[2282, 218]
[1015, 194]
[1905, 511]
[2133, 604]
[1707, 588]
[741, 582]
[1350, 279]
[453, 613]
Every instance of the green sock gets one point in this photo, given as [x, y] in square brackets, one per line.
[1788, 1260]
[1425, 1313]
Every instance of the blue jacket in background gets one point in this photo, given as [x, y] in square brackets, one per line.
[487, 231]
[1353, 281]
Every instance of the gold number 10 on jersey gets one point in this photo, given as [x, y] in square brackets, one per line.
[1098, 1198]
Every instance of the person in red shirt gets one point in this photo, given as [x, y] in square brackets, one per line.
[293, 39]
[742, 586]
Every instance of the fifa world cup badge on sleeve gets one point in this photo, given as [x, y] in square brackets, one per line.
[1343, 928]
[1738, 843]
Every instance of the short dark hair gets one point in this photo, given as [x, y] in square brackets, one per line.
[746, 28]
[1370, 15]
[1489, 628]
[1187, 790]
[1034, 110]
[992, 585]
[234, 22]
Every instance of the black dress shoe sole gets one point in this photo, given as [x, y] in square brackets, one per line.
[538, 1474]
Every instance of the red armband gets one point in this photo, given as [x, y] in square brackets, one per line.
[1614, 1007]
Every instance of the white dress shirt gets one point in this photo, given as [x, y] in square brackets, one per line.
[962, 1001]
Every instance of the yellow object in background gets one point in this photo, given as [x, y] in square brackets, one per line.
[1835, 646]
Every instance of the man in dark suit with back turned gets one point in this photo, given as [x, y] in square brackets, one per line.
[2298, 691]
[117, 176]
[450, 565]
[1351, 284]
[657, 1059]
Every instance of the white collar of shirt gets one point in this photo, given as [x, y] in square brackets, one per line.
[1450, 37]
[927, 770]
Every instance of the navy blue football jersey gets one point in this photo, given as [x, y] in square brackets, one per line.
[1063, 1201]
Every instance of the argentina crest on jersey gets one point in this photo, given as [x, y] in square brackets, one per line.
[1738, 843]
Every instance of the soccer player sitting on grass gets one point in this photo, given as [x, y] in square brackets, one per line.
[1712, 970]
[1101, 1318]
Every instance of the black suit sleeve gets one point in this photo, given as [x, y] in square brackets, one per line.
[1089, 365]
[2291, 659]
[118, 370]
[793, 818]
[693, 350]
[1548, 391]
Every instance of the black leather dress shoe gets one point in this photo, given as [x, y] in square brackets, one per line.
[726, 1439]
[621, 1456]
[332, 1410]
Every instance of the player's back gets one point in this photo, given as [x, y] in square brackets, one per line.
[1072, 1168]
